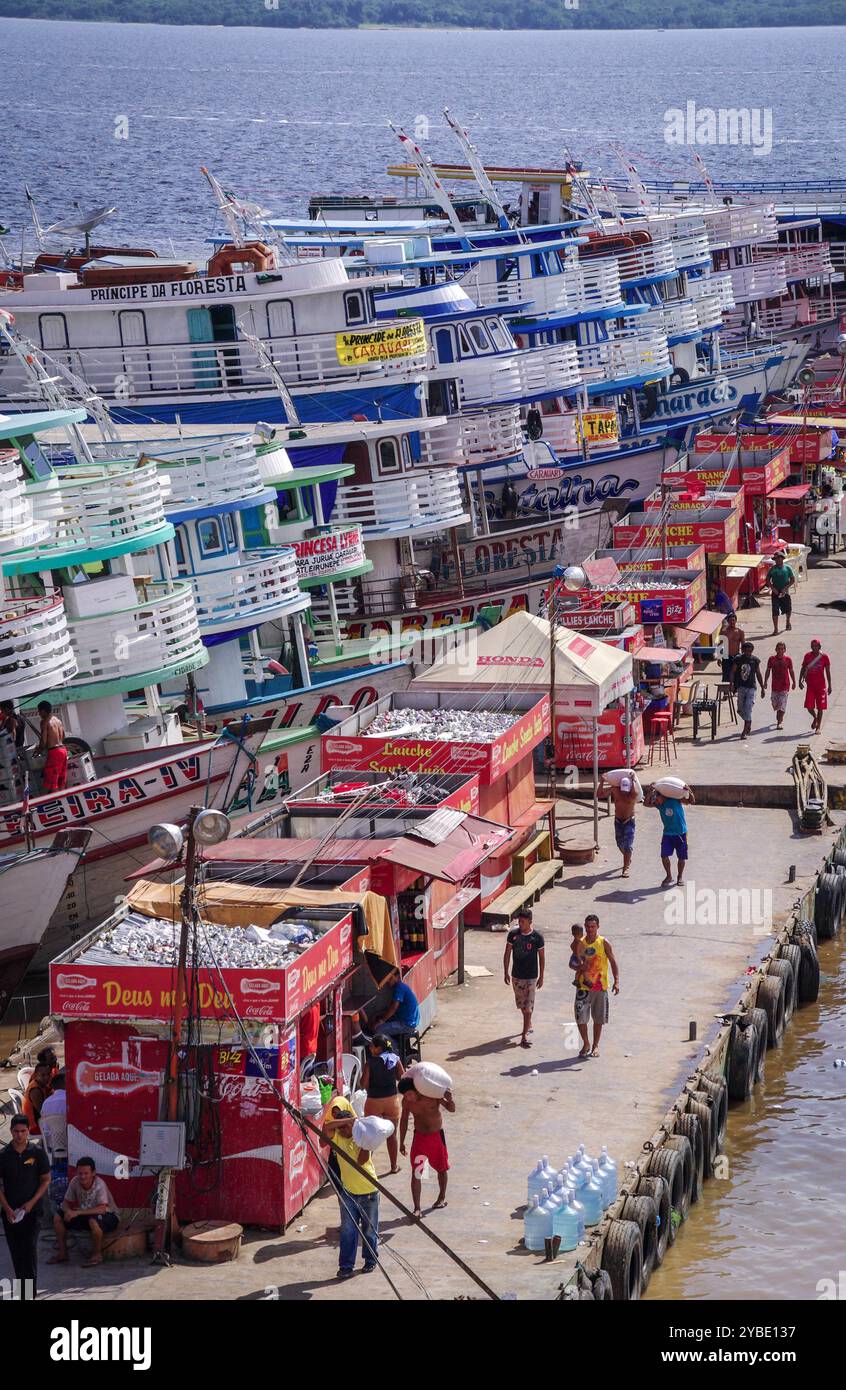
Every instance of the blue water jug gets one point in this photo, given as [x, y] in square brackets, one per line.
[536, 1180]
[590, 1197]
[601, 1182]
[608, 1168]
[565, 1224]
[535, 1223]
[576, 1206]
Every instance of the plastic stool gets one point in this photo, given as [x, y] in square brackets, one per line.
[409, 1048]
[707, 708]
[725, 695]
[661, 732]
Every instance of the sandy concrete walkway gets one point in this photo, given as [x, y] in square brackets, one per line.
[678, 965]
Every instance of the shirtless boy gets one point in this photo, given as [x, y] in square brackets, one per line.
[429, 1142]
[625, 797]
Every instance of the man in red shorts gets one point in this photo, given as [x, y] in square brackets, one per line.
[54, 778]
[428, 1147]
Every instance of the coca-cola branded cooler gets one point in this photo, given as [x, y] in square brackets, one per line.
[250, 1163]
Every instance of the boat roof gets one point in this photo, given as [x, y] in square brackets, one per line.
[497, 173]
[138, 262]
[324, 225]
[32, 422]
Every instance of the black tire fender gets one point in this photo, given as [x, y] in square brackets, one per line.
[770, 998]
[826, 906]
[622, 1260]
[689, 1126]
[701, 1104]
[784, 969]
[667, 1164]
[740, 1069]
[650, 1185]
[808, 978]
[643, 1211]
[682, 1146]
[758, 1019]
[718, 1090]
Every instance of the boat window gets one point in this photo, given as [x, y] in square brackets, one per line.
[54, 331]
[229, 531]
[498, 335]
[479, 336]
[209, 537]
[388, 456]
[405, 449]
[179, 550]
[444, 345]
[355, 307]
[464, 344]
[539, 265]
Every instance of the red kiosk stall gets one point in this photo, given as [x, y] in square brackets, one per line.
[504, 763]
[247, 1159]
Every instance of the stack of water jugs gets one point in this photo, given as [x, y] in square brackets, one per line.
[563, 1203]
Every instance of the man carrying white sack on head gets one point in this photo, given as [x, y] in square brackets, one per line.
[358, 1195]
[625, 791]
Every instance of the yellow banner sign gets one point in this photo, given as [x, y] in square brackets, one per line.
[381, 344]
[598, 427]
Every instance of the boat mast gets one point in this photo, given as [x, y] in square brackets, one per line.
[36, 221]
[227, 208]
[429, 178]
[49, 389]
[263, 353]
[479, 172]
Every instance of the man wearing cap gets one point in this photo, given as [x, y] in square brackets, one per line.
[24, 1178]
[781, 580]
[625, 797]
[523, 967]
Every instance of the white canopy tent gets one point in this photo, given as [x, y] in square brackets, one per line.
[587, 675]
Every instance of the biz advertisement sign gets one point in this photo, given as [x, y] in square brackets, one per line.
[488, 760]
[149, 991]
[319, 557]
[381, 344]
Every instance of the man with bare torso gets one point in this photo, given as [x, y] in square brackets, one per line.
[625, 796]
[54, 777]
[428, 1147]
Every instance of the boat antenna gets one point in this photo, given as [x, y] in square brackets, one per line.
[266, 359]
[431, 182]
[705, 176]
[36, 220]
[226, 204]
[583, 190]
[480, 173]
[633, 179]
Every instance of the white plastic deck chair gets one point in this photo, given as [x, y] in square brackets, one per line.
[55, 1131]
[17, 1100]
[25, 1076]
[351, 1067]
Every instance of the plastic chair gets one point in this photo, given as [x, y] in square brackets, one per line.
[351, 1068]
[54, 1129]
[661, 733]
[16, 1097]
[25, 1076]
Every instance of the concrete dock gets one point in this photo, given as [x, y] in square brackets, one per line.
[682, 960]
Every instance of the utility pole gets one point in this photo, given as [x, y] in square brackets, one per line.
[553, 772]
[165, 1216]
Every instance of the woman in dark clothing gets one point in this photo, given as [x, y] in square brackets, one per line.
[382, 1070]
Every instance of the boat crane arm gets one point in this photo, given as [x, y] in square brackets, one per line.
[479, 171]
[265, 357]
[431, 182]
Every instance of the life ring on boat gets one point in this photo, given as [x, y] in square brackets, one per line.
[740, 1068]
[680, 377]
[650, 406]
[231, 259]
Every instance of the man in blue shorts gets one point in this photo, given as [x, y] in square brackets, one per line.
[626, 796]
[674, 838]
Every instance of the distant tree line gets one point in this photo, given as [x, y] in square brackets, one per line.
[487, 14]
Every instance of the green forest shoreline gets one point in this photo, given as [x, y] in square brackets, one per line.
[442, 14]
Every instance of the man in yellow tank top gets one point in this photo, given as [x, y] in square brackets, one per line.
[591, 981]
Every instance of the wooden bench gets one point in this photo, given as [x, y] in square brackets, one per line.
[541, 845]
[539, 877]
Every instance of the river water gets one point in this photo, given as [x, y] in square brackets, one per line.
[772, 1228]
[281, 114]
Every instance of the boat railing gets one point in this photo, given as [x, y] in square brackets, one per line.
[35, 646]
[19, 529]
[637, 353]
[740, 225]
[263, 585]
[654, 261]
[219, 472]
[419, 503]
[675, 319]
[157, 634]
[800, 262]
[104, 505]
[467, 440]
[304, 359]
[716, 285]
[579, 289]
[760, 280]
